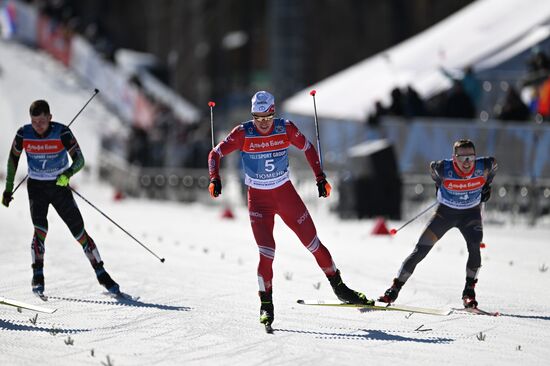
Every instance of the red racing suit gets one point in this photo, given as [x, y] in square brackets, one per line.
[270, 191]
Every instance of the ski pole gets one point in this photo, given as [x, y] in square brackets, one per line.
[212, 104]
[394, 231]
[96, 91]
[117, 225]
[312, 93]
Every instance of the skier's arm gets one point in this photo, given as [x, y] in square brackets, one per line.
[436, 169]
[298, 140]
[232, 142]
[71, 145]
[301, 142]
[491, 167]
[13, 159]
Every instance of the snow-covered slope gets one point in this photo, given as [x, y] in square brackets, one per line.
[28, 75]
[201, 307]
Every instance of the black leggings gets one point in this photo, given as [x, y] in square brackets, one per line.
[42, 194]
[469, 223]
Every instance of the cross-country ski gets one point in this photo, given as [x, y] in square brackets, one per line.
[378, 306]
[24, 305]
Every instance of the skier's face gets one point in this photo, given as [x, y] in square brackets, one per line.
[263, 121]
[464, 158]
[41, 123]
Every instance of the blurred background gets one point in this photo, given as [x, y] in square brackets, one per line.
[397, 81]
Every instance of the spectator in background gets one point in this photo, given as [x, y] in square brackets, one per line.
[396, 106]
[414, 106]
[470, 84]
[373, 119]
[538, 66]
[543, 107]
[513, 108]
[138, 147]
[458, 103]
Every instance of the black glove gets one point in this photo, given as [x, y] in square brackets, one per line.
[323, 186]
[7, 196]
[215, 187]
[486, 193]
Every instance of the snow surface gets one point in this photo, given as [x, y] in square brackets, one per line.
[201, 306]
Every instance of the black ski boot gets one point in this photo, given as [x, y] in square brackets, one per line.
[469, 293]
[105, 280]
[345, 294]
[391, 294]
[267, 313]
[38, 279]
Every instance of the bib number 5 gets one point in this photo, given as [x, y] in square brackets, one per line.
[269, 166]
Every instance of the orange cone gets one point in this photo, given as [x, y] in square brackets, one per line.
[380, 227]
[227, 213]
[118, 196]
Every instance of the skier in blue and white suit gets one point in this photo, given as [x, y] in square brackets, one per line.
[463, 183]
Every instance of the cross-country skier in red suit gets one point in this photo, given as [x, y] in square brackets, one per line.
[263, 143]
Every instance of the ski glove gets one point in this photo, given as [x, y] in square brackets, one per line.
[486, 193]
[62, 180]
[323, 186]
[215, 187]
[7, 196]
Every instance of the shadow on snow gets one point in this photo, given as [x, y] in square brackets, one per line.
[369, 335]
[7, 325]
[125, 302]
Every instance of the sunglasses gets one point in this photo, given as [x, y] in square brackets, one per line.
[264, 118]
[464, 158]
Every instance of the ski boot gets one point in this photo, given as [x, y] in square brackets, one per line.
[469, 293]
[105, 280]
[37, 280]
[267, 314]
[345, 294]
[391, 294]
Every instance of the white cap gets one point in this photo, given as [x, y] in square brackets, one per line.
[263, 102]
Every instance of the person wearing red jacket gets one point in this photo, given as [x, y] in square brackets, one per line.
[263, 143]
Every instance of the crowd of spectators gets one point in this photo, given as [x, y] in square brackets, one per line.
[526, 99]
[169, 142]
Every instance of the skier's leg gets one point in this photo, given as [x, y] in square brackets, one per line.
[67, 209]
[471, 228]
[38, 203]
[294, 213]
[439, 224]
[262, 221]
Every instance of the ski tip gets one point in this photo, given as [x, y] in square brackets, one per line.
[300, 301]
